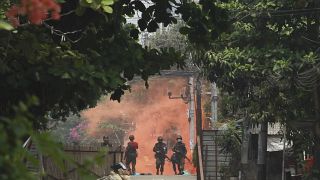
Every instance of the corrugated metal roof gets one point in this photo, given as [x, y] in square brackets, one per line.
[273, 129]
[276, 144]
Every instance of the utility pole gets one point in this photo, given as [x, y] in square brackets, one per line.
[317, 100]
[284, 153]
[262, 151]
[198, 121]
[198, 110]
[191, 113]
[189, 98]
[317, 128]
[214, 104]
[244, 148]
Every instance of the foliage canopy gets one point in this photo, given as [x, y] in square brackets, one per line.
[267, 60]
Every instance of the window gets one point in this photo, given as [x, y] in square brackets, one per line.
[253, 146]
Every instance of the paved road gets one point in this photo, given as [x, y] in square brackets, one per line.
[163, 177]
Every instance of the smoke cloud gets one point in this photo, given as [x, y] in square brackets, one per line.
[149, 113]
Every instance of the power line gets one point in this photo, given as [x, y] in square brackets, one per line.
[63, 35]
[58, 32]
[309, 79]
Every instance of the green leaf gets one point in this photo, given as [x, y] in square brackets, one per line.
[107, 9]
[95, 5]
[84, 3]
[66, 76]
[139, 6]
[89, 1]
[107, 2]
[134, 33]
[184, 30]
[80, 10]
[142, 24]
[152, 26]
[5, 26]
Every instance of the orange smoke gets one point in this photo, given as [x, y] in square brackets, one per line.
[153, 114]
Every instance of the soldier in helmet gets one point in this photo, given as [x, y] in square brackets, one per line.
[179, 155]
[118, 172]
[160, 148]
[106, 142]
[131, 154]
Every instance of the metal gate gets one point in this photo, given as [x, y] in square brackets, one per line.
[213, 159]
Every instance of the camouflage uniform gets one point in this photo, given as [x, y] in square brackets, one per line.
[160, 149]
[106, 142]
[118, 172]
[178, 157]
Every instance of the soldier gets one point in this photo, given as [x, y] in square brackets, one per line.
[131, 154]
[106, 142]
[118, 172]
[179, 155]
[160, 148]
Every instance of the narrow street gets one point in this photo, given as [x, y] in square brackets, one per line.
[163, 177]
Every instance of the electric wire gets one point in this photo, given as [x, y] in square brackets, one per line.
[309, 79]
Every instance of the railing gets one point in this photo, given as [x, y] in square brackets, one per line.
[200, 158]
[79, 154]
[205, 154]
[27, 143]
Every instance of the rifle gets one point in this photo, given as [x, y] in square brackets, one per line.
[187, 159]
[169, 159]
[165, 156]
[184, 156]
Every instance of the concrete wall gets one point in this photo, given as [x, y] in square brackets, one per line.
[274, 167]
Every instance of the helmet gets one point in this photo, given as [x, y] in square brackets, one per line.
[179, 137]
[160, 138]
[131, 137]
[119, 165]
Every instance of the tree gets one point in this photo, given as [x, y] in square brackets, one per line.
[73, 130]
[230, 143]
[267, 61]
[171, 37]
[61, 67]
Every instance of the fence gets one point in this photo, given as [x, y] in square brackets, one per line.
[80, 154]
[214, 160]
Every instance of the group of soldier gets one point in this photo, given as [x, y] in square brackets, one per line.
[160, 149]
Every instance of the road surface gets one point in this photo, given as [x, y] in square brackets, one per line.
[145, 177]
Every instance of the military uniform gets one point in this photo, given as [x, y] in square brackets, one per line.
[106, 142]
[160, 149]
[178, 157]
[115, 176]
[118, 172]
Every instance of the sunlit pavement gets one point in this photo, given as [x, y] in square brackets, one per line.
[146, 177]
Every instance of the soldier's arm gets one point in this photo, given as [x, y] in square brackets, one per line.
[154, 148]
[174, 148]
[185, 149]
[126, 149]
